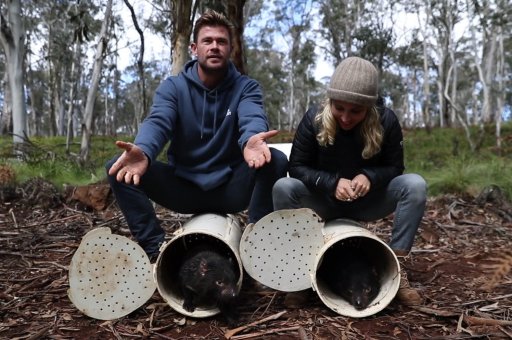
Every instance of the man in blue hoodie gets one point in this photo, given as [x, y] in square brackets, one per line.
[218, 160]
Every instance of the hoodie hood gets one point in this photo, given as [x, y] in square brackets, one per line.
[191, 74]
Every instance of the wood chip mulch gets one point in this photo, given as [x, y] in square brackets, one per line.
[461, 263]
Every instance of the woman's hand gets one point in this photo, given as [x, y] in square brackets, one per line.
[360, 185]
[349, 190]
[344, 191]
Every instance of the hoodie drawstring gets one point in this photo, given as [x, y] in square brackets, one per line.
[202, 118]
[204, 113]
[215, 115]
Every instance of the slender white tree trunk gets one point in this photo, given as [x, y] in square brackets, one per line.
[12, 37]
[426, 72]
[500, 96]
[6, 114]
[87, 124]
[72, 89]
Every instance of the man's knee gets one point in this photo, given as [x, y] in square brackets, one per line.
[110, 162]
[280, 161]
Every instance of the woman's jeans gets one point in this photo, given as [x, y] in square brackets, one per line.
[246, 188]
[406, 195]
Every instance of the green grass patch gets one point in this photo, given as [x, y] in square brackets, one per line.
[443, 157]
[48, 158]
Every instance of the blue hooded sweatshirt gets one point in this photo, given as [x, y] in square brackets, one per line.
[208, 128]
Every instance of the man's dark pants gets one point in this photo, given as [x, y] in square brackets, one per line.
[246, 188]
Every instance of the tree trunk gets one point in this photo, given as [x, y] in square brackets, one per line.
[141, 85]
[61, 111]
[426, 79]
[12, 37]
[181, 17]
[458, 114]
[483, 69]
[6, 114]
[87, 125]
[488, 68]
[500, 96]
[75, 65]
[52, 85]
[235, 14]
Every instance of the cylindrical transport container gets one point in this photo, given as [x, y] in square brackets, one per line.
[285, 249]
[340, 232]
[221, 232]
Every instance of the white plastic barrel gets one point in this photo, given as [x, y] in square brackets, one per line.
[222, 232]
[285, 249]
[347, 231]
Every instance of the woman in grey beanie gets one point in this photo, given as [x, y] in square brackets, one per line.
[347, 161]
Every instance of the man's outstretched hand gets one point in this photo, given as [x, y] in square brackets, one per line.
[256, 151]
[131, 165]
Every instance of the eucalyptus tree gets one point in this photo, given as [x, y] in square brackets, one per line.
[12, 38]
[3, 86]
[292, 26]
[340, 19]
[367, 29]
[421, 9]
[88, 120]
[410, 82]
[182, 16]
[235, 13]
[59, 59]
[445, 14]
[140, 65]
[127, 95]
[375, 40]
[265, 63]
[489, 22]
[57, 28]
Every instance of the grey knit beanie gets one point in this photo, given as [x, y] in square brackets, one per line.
[356, 81]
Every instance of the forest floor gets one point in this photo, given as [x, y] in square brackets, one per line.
[461, 263]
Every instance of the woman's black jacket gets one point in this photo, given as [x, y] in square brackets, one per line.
[320, 168]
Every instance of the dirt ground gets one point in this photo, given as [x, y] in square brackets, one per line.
[461, 263]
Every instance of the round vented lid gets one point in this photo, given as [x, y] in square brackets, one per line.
[280, 250]
[110, 276]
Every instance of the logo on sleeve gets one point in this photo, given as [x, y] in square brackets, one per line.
[228, 113]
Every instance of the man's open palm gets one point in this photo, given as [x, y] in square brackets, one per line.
[131, 165]
[256, 151]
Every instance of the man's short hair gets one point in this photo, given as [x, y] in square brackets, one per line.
[212, 18]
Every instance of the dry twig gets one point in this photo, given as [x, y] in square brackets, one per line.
[234, 331]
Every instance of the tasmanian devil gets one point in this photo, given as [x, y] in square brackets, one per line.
[349, 272]
[208, 279]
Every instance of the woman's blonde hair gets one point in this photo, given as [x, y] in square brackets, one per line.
[371, 129]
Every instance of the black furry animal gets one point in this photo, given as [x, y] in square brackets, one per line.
[208, 279]
[348, 271]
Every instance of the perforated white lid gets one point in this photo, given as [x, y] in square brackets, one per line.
[280, 250]
[110, 276]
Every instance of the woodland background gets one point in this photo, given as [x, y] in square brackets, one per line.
[449, 67]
